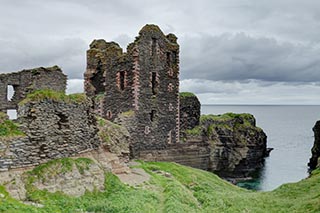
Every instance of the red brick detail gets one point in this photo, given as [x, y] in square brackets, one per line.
[136, 84]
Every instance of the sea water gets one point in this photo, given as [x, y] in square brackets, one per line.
[289, 132]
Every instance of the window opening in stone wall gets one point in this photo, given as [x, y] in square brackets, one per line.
[98, 80]
[109, 114]
[154, 46]
[168, 59]
[12, 113]
[152, 115]
[10, 92]
[169, 137]
[174, 57]
[122, 78]
[153, 82]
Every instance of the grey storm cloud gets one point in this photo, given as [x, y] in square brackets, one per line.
[18, 54]
[241, 56]
[226, 44]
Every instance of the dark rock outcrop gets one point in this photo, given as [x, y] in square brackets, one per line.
[189, 111]
[315, 159]
[237, 146]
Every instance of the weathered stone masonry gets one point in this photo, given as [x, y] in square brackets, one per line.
[27, 81]
[53, 130]
[144, 80]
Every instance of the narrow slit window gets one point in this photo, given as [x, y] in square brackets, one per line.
[153, 82]
[152, 115]
[122, 78]
[154, 46]
[174, 57]
[169, 59]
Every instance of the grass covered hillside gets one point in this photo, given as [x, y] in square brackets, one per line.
[175, 188]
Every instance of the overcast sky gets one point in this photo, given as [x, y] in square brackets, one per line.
[232, 51]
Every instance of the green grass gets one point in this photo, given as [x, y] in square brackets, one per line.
[186, 94]
[196, 131]
[176, 188]
[40, 95]
[8, 128]
[129, 113]
[227, 116]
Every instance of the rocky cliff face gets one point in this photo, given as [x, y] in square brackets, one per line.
[237, 146]
[315, 159]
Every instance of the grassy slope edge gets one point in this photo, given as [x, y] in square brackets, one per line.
[176, 188]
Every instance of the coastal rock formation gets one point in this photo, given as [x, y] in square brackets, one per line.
[237, 146]
[189, 111]
[315, 159]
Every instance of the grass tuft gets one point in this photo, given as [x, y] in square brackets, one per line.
[8, 128]
[186, 94]
[40, 95]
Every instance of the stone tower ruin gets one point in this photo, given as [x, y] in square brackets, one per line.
[142, 82]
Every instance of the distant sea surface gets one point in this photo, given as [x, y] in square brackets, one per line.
[289, 131]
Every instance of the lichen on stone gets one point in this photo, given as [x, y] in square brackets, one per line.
[115, 138]
[149, 28]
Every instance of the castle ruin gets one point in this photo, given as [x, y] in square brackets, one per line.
[143, 81]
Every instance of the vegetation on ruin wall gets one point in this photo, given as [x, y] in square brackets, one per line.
[186, 94]
[51, 169]
[175, 188]
[226, 117]
[40, 95]
[196, 131]
[8, 128]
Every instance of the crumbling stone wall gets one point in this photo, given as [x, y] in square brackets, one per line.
[189, 111]
[27, 81]
[54, 129]
[145, 80]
